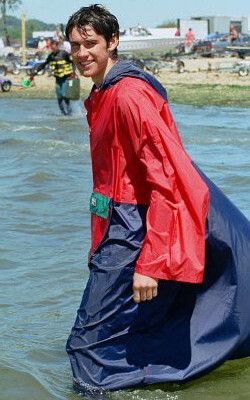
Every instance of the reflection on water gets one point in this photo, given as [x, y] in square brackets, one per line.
[46, 182]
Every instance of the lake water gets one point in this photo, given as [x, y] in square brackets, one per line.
[45, 237]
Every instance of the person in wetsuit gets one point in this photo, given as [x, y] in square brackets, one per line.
[62, 67]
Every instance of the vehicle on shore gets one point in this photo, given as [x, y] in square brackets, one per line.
[154, 65]
[8, 65]
[218, 44]
[242, 68]
[33, 43]
[12, 64]
[241, 49]
[5, 85]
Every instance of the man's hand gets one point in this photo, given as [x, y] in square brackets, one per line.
[145, 288]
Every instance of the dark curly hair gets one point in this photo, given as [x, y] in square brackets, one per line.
[99, 18]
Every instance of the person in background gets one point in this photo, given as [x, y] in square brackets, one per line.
[177, 33]
[41, 48]
[233, 33]
[62, 68]
[189, 40]
[57, 34]
[64, 45]
[48, 45]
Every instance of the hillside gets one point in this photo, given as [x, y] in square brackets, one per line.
[14, 27]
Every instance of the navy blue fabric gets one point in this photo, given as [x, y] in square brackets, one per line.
[127, 68]
[186, 331]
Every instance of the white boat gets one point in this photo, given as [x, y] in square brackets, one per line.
[151, 40]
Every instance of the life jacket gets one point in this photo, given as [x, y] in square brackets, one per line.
[61, 64]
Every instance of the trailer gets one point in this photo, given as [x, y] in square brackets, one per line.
[242, 51]
[242, 68]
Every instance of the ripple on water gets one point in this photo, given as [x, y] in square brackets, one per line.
[41, 177]
[17, 384]
[240, 181]
[33, 197]
[27, 128]
[47, 144]
[12, 142]
[6, 263]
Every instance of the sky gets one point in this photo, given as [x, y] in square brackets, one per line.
[149, 13]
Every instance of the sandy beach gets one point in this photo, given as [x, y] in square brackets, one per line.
[196, 85]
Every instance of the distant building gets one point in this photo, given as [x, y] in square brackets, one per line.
[221, 24]
[46, 34]
[162, 32]
[199, 27]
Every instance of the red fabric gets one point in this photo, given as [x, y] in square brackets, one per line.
[98, 229]
[138, 157]
[189, 38]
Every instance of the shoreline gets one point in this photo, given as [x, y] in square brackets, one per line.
[209, 95]
[196, 86]
[179, 93]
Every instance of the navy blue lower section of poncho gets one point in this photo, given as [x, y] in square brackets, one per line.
[187, 330]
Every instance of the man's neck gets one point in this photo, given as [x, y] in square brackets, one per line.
[98, 81]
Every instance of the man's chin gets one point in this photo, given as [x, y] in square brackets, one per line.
[86, 74]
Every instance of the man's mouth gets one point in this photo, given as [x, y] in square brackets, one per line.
[85, 64]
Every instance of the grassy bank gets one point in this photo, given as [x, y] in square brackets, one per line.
[205, 94]
[182, 93]
[197, 85]
[35, 93]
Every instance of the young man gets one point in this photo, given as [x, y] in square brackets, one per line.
[148, 313]
[62, 68]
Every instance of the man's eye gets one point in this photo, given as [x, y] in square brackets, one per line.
[74, 46]
[90, 44]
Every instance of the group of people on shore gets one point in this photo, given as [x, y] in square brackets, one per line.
[44, 45]
[58, 52]
[190, 37]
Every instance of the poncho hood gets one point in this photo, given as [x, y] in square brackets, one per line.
[123, 69]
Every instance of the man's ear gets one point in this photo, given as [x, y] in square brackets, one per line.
[113, 43]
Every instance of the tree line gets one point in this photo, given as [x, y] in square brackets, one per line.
[10, 26]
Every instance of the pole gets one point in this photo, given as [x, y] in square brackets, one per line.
[23, 39]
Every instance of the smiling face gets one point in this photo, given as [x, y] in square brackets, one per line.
[91, 53]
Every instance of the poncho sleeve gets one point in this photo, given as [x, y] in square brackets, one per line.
[174, 245]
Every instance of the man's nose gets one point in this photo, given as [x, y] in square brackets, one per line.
[82, 52]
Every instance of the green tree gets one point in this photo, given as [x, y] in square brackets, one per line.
[31, 26]
[8, 5]
[168, 24]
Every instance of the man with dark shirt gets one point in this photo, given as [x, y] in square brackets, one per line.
[62, 67]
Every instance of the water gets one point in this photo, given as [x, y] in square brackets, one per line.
[45, 186]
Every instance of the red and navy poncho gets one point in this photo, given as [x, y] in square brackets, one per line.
[154, 212]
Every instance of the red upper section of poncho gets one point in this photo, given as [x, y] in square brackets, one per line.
[137, 157]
